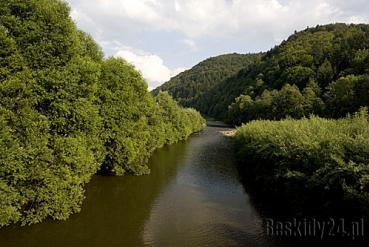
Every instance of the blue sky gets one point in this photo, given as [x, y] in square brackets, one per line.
[164, 37]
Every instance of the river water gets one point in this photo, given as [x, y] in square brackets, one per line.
[192, 197]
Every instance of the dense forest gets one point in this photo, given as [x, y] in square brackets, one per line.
[67, 113]
[191, 88]
[322, 71]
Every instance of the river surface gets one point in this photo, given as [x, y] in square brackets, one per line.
[192, 197]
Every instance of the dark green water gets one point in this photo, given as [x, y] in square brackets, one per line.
[191, 198]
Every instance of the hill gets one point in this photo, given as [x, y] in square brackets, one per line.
[189, 86]
[321, 70]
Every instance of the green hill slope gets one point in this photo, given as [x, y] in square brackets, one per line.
[321, 70]
[189, 86]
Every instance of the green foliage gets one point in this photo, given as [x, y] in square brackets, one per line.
[325, 73]
[347, 94]
[49, 123]
[341, 96]
[316, 158]
[323, 54]
[327, 63]
[65, 113]
[298, 75]
[178, 123]
[288, 102]
[190, 88]
[313, 104]
[135, 124]
[123, 98]
[42, 29]
[89, 47]
[276, 105]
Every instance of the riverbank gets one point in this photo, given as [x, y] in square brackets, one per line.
[192, 197]
[229, 133]
[317, 165]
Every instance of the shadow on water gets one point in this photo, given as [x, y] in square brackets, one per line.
[113, 213]
[193, 197]
[309, 228]
[214, 123]
[206, 206]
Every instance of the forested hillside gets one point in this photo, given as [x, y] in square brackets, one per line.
[66, 113]
[322, 70]
[189, 87]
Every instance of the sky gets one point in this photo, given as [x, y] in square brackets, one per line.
[165, 37]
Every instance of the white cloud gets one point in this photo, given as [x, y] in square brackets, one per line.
[359, 19]
[191, 44]
[151, 66]
[177, 7]
[172, 28]
[177, 71]
[79, 16]
[215, 18]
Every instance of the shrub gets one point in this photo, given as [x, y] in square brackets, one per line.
[323, 161]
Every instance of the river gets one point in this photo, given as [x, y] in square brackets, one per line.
[192, 197]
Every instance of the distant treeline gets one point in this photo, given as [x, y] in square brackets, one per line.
[322, 71]
[67, 113]
[191, 88]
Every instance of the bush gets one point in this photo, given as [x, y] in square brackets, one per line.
[316, 161]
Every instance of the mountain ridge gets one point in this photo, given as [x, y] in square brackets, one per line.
[319, 56]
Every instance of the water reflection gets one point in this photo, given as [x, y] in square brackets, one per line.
[192, 198]
[113, 213]
[206, 206]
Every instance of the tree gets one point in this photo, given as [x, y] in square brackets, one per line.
[242, 110]
[361, 61]
[64, 111]
[325, 73]
[24, 151]
[47, 112]
[362, 91]
[288, 102]
[313, 104]
[89, 47]
[340, 96]
[298, 75]
[123, 98]
[263, 105]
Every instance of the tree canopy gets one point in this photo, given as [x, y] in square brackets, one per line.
[66, 113]
[190, 88]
